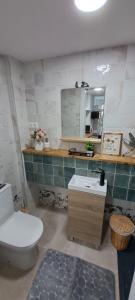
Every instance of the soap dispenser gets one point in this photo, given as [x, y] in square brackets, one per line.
[47, 144]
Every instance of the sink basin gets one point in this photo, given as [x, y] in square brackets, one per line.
[87, 184]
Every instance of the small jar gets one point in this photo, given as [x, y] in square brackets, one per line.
[47, 144]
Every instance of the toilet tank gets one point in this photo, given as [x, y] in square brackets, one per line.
[6, 202]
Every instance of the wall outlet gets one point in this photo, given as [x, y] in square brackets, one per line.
[33, 125]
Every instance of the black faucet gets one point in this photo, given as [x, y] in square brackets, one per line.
[102, 176]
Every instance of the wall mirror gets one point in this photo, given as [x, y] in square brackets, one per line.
[82, 112]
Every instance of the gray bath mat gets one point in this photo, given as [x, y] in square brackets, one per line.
[63, 277]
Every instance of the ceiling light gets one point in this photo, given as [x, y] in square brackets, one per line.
[103, 68]
[98, 89]
[89, 5]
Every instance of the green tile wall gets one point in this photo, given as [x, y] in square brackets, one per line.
[57, 171]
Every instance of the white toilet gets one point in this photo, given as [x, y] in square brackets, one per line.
[19, 232]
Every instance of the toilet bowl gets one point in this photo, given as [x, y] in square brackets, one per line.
[19, 232]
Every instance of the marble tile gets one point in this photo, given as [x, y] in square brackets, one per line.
[130, 70]
[128, 88]
[44, 80]
[131, 53]
[62, 73]
[13, 124]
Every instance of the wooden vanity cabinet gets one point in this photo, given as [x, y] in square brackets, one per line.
[85, 218]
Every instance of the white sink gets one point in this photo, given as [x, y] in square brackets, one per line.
[87, 184]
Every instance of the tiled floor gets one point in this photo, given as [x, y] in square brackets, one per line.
[14, 283]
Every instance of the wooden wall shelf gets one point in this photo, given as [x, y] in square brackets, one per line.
[97, 157]
[81, 140]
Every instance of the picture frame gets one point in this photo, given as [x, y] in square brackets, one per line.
[112, 143]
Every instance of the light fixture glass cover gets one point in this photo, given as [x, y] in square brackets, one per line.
[89, 5]
[98, 89]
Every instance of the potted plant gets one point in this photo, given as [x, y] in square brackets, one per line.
[39, 137]
[90, 149]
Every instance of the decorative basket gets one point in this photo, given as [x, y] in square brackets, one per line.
[121, 231]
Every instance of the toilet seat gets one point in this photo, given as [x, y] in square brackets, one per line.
[21, 230]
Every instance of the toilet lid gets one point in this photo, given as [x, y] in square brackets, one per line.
[21, 230]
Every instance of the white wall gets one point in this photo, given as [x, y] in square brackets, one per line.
[44, 80]
[13, 124]
[18, 84]
[42, 102]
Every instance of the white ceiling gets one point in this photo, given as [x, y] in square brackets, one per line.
[34, 29]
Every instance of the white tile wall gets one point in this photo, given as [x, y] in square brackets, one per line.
[38, 98]
[45, 79]
[13, 125]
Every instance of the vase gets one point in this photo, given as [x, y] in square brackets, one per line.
[39, 146]
[90, 153]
